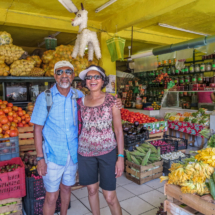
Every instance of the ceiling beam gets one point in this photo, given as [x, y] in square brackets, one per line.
[152, 37]
[140, 12]
[40, 21]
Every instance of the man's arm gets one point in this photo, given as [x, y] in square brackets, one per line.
[38, 141]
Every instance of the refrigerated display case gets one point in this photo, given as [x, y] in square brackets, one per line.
[22, 90]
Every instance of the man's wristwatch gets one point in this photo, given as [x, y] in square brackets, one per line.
[39, 158]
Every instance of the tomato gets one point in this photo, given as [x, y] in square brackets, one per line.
[0, 125]
[26, 125]
[13, 124]
[0, 130]
[5, 127]
[4, 120]
[27, 115]
[8, 123]
[6, 136]
[20, 113]
[10, 118]
[5, 102]
[14, 115]
[3, 106]
[20, 124]
[6, 110]
[13, 133]
[15, 108]
[31, 124]
[1, 135]
[10, 105]
[23, 117]
[12, 128]
[15, 120]
[23, 122]
[7, 132]
[19, 119]
[28, 119]
[19, 109]
[24, 112]
[1, 112]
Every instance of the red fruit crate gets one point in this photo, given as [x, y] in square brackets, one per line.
[12, 184]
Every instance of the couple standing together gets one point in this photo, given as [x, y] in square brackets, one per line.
[77, 134]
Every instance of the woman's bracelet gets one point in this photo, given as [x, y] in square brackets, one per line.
[120, 155]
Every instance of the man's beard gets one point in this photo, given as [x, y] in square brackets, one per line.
[64, 85]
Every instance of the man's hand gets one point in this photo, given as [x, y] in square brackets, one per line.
[119, 167]
[42, 167]
[118, 102]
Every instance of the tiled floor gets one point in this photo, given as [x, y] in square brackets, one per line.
[134, 199]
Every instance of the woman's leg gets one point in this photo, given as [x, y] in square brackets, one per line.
[113, 203]
[93, 196]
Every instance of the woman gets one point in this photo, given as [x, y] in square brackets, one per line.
[97, 144]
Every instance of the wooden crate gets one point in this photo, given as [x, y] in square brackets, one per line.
[14, 207]
[156, 136]
[143, 172]
[195, 204]
[26, 145]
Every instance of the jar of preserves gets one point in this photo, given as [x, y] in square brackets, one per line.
[186, 70]
[182, 71]
[194, 79]
[208, 67]
[176, 80]
[156, 73]
[173, 70]
[187, 79]
[191, 68]
[197, 68]
[213, 65]
[168, 71]
[202, 67]
[181, 80]
[200, 78]
[170, 61]
[177, 72]
[164, 62]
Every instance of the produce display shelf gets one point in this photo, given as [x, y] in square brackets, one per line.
[204, 204]
[29, 79]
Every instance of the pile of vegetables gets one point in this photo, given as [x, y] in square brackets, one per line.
[11, 53]
[129, 116]
[9, 168]
[7, 204]
[29, 161]
[173, 155]
[191, 176]
[5, 38]
[21, 68]
[133, 129]
[145, 154]
[206, 155]
[4, 70]
[164, 146]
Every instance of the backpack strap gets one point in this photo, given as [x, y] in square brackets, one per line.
[74, 96]
[49, 102]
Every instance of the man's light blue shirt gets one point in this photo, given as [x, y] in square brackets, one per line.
[60, 134]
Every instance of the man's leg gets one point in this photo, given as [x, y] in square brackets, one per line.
[65, 195]
[50, 203]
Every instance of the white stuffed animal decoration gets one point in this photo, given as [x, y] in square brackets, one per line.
[85, 36]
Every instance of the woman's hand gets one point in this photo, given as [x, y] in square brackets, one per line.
[119, 169]
[118, 102]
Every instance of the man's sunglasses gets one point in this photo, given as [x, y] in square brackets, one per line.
[90, 77]
[67, 71]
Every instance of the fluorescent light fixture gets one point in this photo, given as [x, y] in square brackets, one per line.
[105, 5]
[68, 4]
[181, 29]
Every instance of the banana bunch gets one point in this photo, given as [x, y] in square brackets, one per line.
[191, 176]
[207, 155]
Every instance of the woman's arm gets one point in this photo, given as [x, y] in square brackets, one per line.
[120, 140]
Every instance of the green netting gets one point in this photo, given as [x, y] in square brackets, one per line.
[51, 43]
[116, 47]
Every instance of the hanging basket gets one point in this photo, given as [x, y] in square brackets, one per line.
[116, 47]
[51, 43]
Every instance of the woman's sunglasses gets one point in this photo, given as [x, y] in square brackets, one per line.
[90, 77]
[67, 71]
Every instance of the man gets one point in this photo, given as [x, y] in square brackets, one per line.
[59, 129]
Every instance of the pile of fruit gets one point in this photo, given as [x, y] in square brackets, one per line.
[29, 161]
[163, 77]
[36, 59]
[8, 168]
[145, 154]
[21, 68]
[132, 117]
[4, 70]
[12, 117]
[191, 176]
[133, 129]
[5, 38]
[156, 106]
